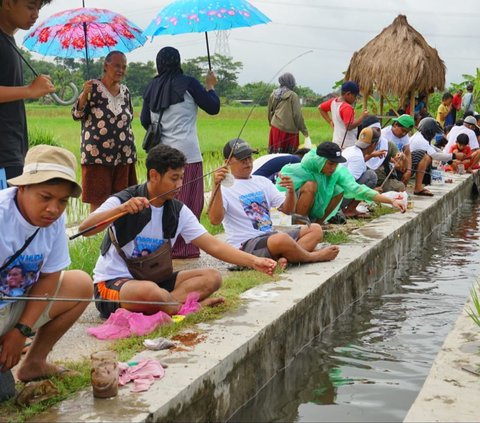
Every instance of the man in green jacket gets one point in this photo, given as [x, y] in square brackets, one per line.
[321, 184]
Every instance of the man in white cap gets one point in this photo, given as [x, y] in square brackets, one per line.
[468, 128]
[33, 238]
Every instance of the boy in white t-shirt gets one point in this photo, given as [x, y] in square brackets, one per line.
[244, 210]
[31, 216]
[142, 231]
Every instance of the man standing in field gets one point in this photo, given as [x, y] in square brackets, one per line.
[16, 14]
[342, 113]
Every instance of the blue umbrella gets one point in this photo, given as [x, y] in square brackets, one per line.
[183, 16]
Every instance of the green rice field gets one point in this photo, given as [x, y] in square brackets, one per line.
[55, 124]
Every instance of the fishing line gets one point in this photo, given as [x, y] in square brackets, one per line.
[217, 186]
[119, 215]
[7, 298]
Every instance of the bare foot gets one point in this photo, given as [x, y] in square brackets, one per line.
[28, 372]
[212, 302]
[282, 263]
[326, 253]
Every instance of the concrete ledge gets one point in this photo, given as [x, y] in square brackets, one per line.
[244, 350]
[451, 394]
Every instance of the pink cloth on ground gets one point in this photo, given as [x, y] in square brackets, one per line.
[124, 323]
[143, 374]
[191, 304]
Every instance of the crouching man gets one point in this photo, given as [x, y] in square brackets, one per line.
[34, 240]
[152, 222]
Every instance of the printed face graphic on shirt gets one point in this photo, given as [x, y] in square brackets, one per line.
[256, 208]
[20, 275]
[145, 246]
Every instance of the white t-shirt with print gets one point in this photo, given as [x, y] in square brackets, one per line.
[47, 253]
[247, 208]
[400, 142]
[355, 161]
[111, 265]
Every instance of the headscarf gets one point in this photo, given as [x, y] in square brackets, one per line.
[287, 82]
[341, 180]
[169, 86]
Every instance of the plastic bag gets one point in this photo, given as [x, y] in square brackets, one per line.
[308, 142]
[401, 197]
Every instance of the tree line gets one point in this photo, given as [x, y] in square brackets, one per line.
[139, 74]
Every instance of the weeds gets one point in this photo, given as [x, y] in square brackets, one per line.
[474, 312]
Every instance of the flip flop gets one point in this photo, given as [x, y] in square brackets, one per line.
[424, 192]
[61, 373]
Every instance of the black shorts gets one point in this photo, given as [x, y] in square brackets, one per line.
[110, 290]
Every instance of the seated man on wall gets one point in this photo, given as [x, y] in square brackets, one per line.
[321, 184]
[398, 134]
[357, 156]
[423, 153]
[33, 237]
[237, 208]
[153, 220]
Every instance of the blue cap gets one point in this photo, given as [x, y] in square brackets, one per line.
[350, 86]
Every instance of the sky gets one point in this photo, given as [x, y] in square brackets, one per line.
[312, 39]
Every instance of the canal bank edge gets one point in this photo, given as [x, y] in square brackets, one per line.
[241, 352]
[451, 392]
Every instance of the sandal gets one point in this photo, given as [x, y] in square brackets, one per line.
[424, 192]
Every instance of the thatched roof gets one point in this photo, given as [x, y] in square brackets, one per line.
[397, 61]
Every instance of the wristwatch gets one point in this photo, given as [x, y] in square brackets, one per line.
[24, 330]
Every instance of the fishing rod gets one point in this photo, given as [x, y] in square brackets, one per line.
[54, 96]
[83, 300]
[119, 215]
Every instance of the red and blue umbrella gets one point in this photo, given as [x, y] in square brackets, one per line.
[84, 33]
[183, 16]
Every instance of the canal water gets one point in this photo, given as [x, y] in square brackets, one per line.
[370, 364]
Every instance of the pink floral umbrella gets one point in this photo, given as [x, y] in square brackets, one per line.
[84, 33]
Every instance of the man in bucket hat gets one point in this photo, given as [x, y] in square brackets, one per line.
[33, 239]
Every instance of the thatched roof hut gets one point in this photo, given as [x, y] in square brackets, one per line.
[397, 61]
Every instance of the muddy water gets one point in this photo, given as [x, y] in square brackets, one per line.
[370, 364]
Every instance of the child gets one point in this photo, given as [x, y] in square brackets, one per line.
[32, 210]
[461, 146]
[16, 14]
[444, 108]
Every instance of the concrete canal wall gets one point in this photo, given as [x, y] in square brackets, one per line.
[240, 353]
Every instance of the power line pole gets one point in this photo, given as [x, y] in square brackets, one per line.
[222, 45]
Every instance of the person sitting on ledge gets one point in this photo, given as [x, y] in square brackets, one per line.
[153, 220]
[321, 184]
[423, 153]
[244, 210]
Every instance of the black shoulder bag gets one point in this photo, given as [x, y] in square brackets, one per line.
[154, 133]
[20, 251]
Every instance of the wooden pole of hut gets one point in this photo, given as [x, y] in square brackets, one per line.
[412, 104]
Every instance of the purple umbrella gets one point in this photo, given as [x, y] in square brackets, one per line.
[183, 16]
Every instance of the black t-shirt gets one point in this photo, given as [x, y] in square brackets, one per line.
[13, 123]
